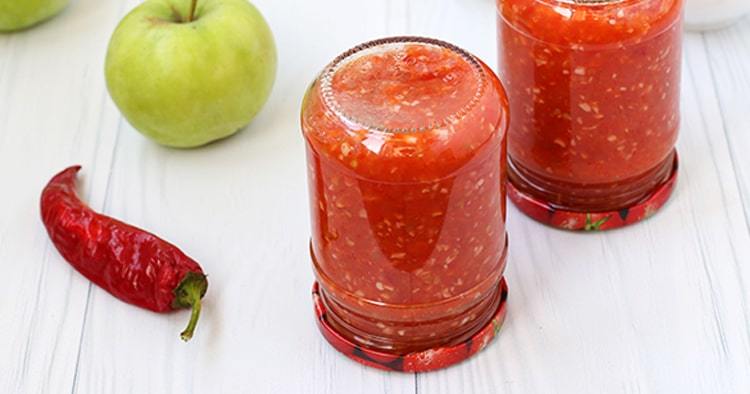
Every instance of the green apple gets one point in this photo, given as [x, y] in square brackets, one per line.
[186, 73]
[19, 14]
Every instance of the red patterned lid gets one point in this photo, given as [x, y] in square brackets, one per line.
[543, 212]
[427, 360]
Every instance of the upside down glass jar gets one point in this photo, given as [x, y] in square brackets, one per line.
[594, 90]
[406, 167]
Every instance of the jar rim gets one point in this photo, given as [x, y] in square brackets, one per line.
[593, 2]
[329, 96]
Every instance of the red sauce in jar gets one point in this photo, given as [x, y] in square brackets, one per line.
[594, 93]
[406, 156]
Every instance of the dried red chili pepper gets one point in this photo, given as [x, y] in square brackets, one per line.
[132, 264]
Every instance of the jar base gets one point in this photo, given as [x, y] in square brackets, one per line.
[550, 215]
[423, 361]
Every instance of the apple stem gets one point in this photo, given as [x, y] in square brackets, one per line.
[192, 10]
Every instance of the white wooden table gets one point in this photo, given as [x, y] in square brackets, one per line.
[661, 307]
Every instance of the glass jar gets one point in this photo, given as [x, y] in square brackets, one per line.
[406, 167]
[594, 87]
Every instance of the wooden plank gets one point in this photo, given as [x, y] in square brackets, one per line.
[52, 114]
[728, 52]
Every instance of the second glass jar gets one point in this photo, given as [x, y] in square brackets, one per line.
[594, 90]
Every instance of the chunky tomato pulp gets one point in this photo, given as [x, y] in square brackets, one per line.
[594, 93]
[406, 155]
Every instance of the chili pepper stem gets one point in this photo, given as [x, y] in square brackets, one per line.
[194, 315]
[191, 16]
[188, 294]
